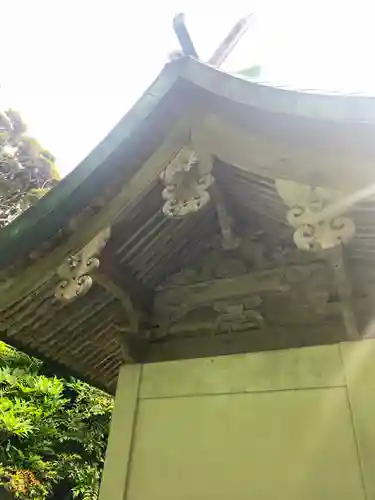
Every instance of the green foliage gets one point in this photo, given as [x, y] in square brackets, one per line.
[53, 432]
[27, 171]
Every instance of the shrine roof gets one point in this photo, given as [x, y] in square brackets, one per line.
[266, 110]
[256, 134]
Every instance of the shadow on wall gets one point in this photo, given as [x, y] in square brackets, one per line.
[5, 495]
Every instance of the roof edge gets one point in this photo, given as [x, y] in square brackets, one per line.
[348, 108]
[353, 109]
[56, 198]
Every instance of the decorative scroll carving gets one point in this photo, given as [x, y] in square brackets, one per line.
[237, 303]
[252, 254]
[77, 269]
[186, 185]
[208, 317]
[239, 316]
[315, 228]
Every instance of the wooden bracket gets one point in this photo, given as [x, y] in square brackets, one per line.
[135, 299]
[76, 271]
[186, 185]
[321, 230]
[307, 213]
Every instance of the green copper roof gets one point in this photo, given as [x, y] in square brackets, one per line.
[266, 132]
[51, 213]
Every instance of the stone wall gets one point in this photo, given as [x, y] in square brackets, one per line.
[293, 424]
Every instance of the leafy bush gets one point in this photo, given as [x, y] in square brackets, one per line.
[53, 432]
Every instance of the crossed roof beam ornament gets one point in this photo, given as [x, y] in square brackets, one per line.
[189, 183]
[189, 186]
[316, 214]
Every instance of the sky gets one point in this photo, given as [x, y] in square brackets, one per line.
[73, 68]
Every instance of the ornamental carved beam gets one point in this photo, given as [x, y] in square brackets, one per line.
[77, 270]
[186, 181]
[316, 228]
[316, 214]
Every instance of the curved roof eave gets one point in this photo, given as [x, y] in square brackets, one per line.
[317, 105]
[52, 212]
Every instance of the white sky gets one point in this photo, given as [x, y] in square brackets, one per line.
[74, 67]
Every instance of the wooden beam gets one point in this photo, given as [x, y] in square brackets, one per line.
[230, 41]
[44, 269]
[123, 277]
[132, 345]
[196, 295]
[269, 152]
[222, 51]
[123, 297]
[183, 35]
[248, 341]
[136, 300]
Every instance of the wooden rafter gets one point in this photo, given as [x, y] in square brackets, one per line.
[42, 270]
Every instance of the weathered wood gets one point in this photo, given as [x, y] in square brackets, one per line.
[42, 270]
[271, 156]
[124, 279]
[230, 41]
[248, 341]
[274, 280]
[120, 294]
[136, 301]
[313, 231]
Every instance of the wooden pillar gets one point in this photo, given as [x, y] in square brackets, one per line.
[117, 462]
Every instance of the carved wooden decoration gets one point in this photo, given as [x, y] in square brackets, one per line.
[210, 317]
[235, 302]
[186, 185]
[314, 229]
[316, 215]
[76, 271]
